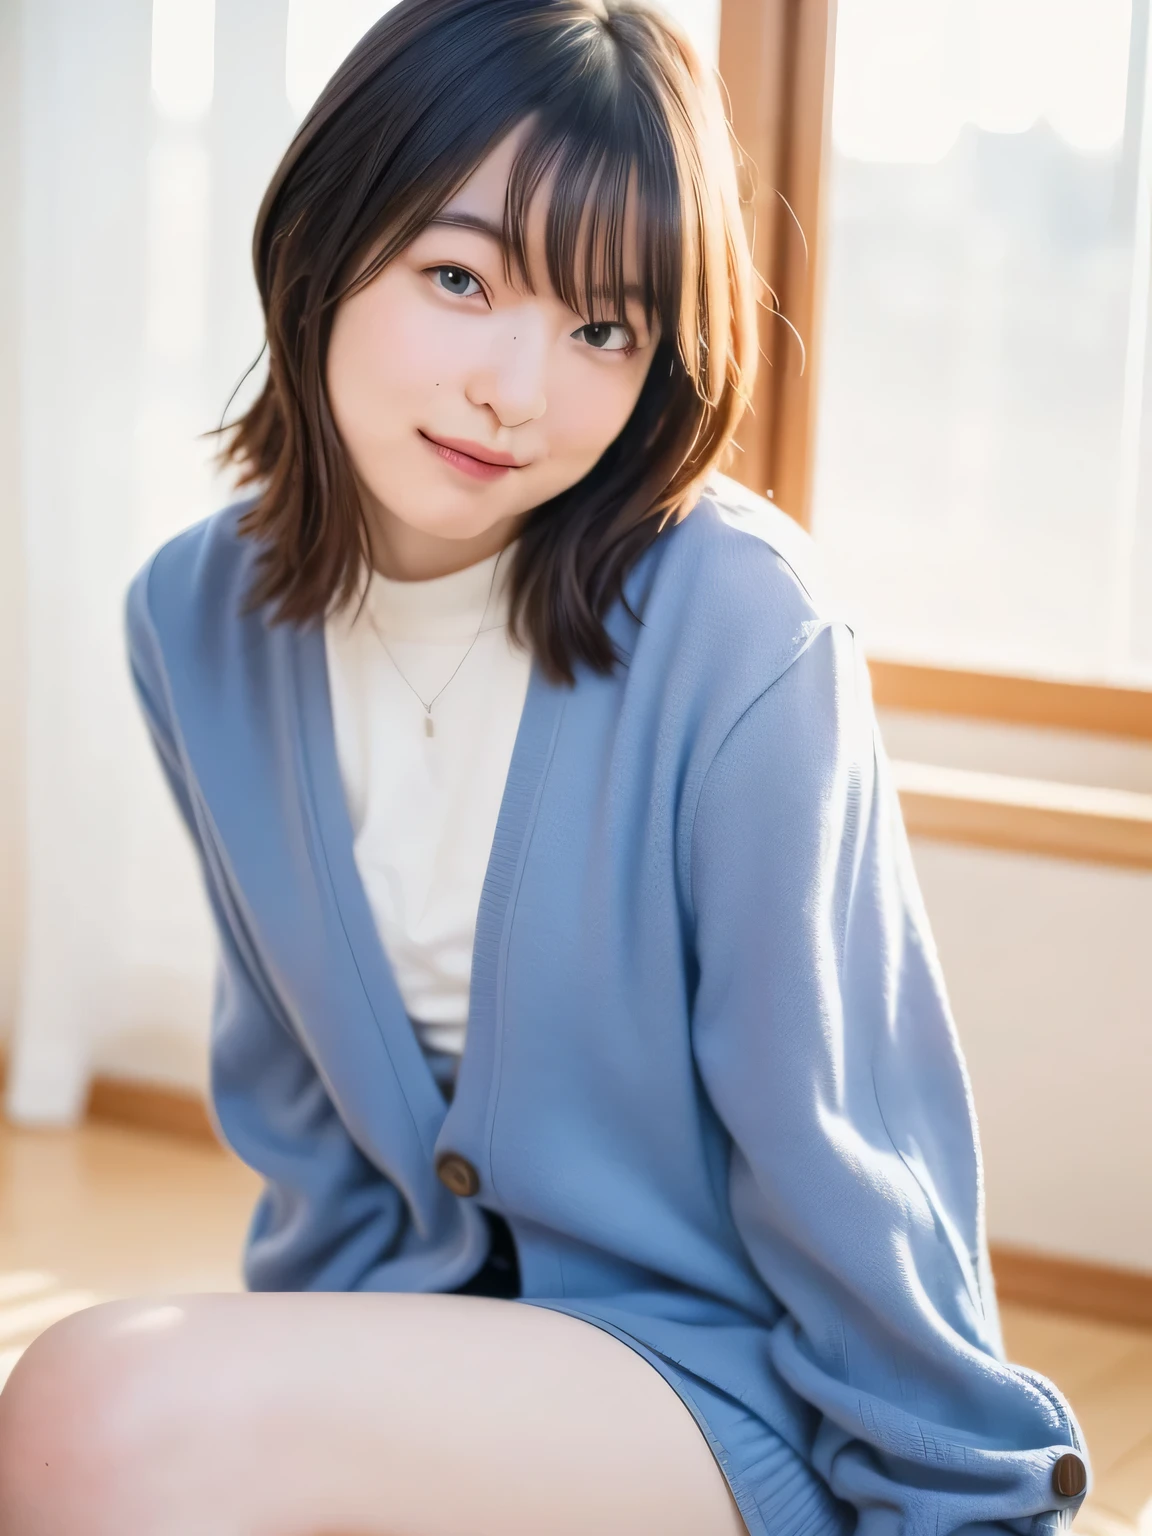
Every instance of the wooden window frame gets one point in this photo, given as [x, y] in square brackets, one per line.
[776, 60]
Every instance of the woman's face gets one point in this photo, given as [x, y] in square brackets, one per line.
[441, 364]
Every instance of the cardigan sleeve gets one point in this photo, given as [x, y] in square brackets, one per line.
[824, 1040]
[327, 1216]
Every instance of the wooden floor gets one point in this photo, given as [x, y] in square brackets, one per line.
[105, 1212]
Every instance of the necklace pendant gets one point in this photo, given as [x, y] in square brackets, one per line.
[429, 728]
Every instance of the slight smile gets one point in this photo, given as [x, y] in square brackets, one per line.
[471, 458]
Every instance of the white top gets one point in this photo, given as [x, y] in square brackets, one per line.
[424, 808]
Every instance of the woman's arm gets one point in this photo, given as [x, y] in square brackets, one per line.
[825, 1042]
[327, 1216]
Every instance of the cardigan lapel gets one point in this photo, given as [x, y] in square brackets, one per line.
[334, 864]
[250, 708]
[249, 699]
[468, 1117]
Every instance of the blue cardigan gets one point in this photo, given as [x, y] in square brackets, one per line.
[710, 1078]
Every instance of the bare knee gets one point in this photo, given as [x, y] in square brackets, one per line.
[75, 1417]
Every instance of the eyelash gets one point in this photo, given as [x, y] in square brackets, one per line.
[617, 351]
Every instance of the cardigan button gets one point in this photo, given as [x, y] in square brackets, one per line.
[457, 1174]
[1069, 1478]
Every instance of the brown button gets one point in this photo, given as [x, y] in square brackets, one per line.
[457, 1173]
[1069, 1477]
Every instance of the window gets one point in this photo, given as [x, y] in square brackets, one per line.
[977, 476]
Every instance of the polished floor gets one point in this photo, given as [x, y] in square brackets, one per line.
[105, 1212]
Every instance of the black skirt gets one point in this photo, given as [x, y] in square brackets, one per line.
[500, 1273]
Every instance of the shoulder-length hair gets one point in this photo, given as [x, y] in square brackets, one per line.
[622, 106]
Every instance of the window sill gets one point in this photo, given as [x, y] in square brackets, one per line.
[992, 810]
[1099, 708]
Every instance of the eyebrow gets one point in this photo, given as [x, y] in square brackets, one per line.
[483, 226]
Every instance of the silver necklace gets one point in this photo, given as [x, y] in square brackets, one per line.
[426, 704]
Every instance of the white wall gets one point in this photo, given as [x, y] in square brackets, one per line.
[1047, 967]
[1046, 963]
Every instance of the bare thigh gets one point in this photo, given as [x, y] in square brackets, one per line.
[348, 1415]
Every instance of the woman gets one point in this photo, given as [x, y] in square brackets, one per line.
[576, 1002]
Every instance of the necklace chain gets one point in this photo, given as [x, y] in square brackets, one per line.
[426, 704]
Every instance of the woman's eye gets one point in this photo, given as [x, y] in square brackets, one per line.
[602, 338]
[455, 280]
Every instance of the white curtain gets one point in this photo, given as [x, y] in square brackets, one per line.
[145, 132]
[140, 171]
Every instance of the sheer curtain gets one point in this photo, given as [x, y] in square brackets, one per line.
[142, 133]
[147, 132]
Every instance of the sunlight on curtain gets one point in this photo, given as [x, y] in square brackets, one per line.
[320, 33]
[183, 37]
[176, 295]
[148, 135]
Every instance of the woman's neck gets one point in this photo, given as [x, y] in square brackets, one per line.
[404, 553]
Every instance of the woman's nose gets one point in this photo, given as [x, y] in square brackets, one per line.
[512, 379]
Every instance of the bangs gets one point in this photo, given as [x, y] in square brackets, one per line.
[617, 139]
[604, 169]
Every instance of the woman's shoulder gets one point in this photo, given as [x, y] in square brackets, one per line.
[738, 587]
[199, 577]
[778, 557]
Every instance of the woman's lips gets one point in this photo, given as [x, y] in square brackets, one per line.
[479, 469]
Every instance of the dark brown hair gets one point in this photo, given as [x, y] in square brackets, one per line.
[616, 91]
